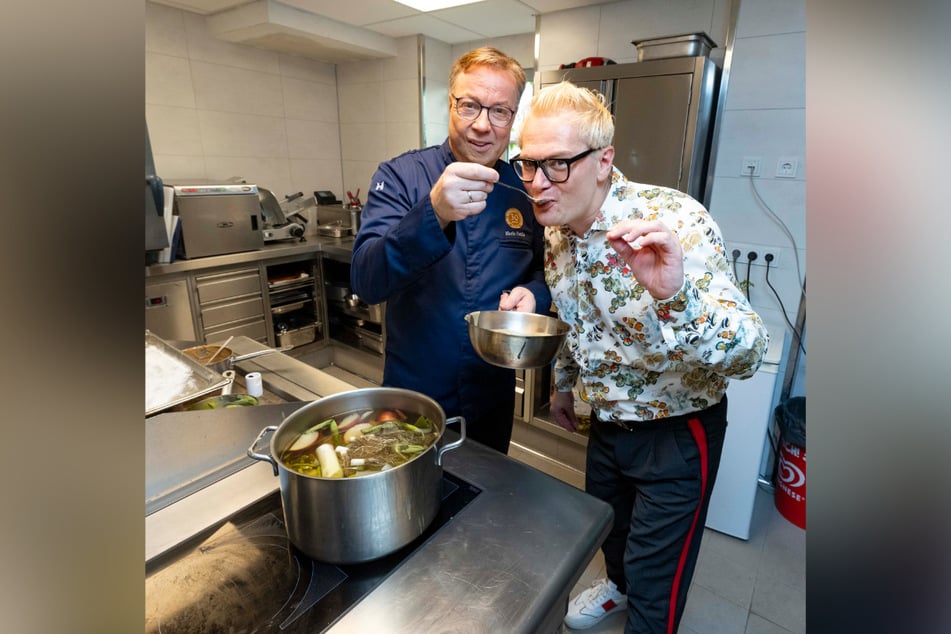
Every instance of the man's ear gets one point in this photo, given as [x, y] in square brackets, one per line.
[605, 163]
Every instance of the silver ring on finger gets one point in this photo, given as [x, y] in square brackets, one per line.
[469, 194]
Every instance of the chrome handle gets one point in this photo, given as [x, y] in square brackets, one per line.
[261, 456]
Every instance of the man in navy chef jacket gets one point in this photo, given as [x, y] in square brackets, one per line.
[438, 240]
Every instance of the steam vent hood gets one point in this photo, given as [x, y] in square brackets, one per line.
[278, 27]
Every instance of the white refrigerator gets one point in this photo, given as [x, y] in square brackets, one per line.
[749, 414]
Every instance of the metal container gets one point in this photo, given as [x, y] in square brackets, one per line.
[516, 340]
[334, 229]
[222, 359]
[163, 363]
[297, 336]
[690, 45]
[353, 520]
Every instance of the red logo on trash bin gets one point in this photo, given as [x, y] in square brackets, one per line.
[791, 486]
[791, 475]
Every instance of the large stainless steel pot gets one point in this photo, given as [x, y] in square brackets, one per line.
[353, 520]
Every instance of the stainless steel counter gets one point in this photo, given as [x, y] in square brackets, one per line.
[335, 248]
[505, 563]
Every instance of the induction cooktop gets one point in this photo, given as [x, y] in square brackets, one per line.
[245, 576]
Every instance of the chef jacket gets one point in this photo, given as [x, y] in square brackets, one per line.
[430, 278]
[639, 358]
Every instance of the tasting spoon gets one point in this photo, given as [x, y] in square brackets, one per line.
[521, 191]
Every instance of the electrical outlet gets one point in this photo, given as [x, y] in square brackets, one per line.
[750, 163]
[786, 167]
[745, 248]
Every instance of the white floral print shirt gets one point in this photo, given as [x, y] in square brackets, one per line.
[639, 358]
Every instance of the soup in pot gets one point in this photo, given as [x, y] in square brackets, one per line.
[360, 443]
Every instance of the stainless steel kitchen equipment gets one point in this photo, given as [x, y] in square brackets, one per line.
[688, 45]
[359, 519]
[217, 219]
[282, 220]
[664, 140]
[516, 340]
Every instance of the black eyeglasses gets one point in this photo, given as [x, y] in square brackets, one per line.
[556, 170]
[470, 109]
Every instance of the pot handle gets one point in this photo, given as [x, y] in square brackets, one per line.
[453, 445]
[262, 456]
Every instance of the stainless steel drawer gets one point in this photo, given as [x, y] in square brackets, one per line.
[213, 288]
[256, 330]
[219, 314]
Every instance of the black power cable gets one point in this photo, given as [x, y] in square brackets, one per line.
[769, 258]
[749, 263]
[736, 256]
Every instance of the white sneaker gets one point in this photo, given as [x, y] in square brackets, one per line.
[595, 603]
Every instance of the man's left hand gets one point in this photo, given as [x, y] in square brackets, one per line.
[654, 254]
[519, 299]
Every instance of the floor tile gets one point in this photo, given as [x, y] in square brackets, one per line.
[780, 603]
[725, 578]
[759, 625]
[711, 614]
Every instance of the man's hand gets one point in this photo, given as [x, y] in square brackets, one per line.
[461, 191]
[654, 254]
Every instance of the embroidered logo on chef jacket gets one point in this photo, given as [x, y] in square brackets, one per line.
[514, 219]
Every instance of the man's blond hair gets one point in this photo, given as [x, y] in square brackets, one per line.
[579, 105]
[492, 57]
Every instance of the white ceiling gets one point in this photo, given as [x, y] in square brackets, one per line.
[387, 18]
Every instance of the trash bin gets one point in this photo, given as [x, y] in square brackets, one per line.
[790, 496]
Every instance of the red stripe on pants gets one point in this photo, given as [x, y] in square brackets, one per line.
[700, 437]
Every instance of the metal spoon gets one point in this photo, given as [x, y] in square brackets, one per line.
[521, 191]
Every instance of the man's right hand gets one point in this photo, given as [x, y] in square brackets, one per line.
[562, 407]
[461, 191]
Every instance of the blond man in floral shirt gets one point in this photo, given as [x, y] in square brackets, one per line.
[658, 329]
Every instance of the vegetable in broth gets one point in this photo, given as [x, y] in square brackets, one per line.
[359, 443]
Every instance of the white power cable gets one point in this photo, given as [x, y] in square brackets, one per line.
[785, 230]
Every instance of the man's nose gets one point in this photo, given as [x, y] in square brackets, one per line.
[482, 121]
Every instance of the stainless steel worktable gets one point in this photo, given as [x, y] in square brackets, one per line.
[314, 243]
[505, 563]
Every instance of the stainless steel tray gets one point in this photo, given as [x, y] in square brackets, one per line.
[334, 230]
[172, 377]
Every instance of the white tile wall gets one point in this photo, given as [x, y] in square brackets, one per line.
[168, 81]
[232, 89]
[165, 30]
[379, 104]
[174, 130]
[769, 71]
[218, 110]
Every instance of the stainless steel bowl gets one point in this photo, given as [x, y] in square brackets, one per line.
[516, 340]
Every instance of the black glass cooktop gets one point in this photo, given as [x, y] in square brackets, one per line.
[246, 576]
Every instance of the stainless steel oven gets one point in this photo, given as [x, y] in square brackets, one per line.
[217, 219]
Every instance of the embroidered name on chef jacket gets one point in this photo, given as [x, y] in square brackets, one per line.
[514, 234]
